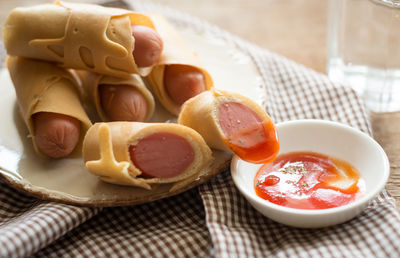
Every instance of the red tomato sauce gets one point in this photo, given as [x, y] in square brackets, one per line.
[308, 180]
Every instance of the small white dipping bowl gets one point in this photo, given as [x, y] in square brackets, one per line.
[329, 138]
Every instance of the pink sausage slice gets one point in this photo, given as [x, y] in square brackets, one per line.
[122, 103]
[162, 155]
[252, 139]
[56, 135]
[240, 124]
[148, 46]
[183, 82]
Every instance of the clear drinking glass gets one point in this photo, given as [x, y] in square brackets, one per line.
[364, 50]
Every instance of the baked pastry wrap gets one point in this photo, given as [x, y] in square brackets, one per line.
[90, 86]
[175, 52]
[106, 153]
[79, 36]
[43, 87]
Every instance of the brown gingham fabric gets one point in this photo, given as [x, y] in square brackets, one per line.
[212, 220]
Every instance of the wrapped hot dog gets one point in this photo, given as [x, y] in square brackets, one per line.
[48, 94]
[118, 99]
[179, 75]
[79, 36]
[145, 154]
[233, 123]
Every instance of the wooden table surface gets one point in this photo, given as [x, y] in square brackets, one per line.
[293, 28]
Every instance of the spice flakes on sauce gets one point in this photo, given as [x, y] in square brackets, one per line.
[308, 180]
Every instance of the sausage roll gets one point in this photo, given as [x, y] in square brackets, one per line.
[79, 36]
[233, 123]
[179, 74]
[42, 87]
[145, 154]
[103, 91]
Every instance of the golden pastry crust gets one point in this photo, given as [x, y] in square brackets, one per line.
[91, 82]
[79, 36]
[106, 153]
[175, 52]
[43, 87]
[200, 114]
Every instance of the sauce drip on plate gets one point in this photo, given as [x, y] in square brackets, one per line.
[308, 180]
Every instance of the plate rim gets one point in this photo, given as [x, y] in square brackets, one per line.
[52, 195]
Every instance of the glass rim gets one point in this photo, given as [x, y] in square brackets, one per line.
[389, 3]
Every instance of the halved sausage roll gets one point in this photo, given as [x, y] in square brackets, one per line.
[118, 99]
[49, 103]
[233, 123]
[145, 154]
[79, 36]
[179, 75]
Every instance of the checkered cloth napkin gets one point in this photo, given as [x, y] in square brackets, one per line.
[212, 220]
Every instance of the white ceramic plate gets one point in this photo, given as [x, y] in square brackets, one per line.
[68, 180]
